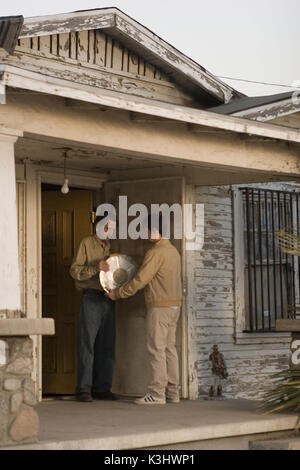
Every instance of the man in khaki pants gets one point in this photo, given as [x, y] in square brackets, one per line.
[160, 275]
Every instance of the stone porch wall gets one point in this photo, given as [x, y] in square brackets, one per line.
[213, 312]
[19, 421]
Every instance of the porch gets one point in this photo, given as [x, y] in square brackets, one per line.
[66, 424]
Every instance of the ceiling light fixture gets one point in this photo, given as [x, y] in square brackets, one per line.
[65, 187]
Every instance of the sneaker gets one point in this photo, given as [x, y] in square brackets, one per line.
[173, 400]
[84, 396]
[150, 400]
[105, 396]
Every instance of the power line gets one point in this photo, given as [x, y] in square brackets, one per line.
[260, 83]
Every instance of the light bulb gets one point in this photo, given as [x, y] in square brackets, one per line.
[65, 187]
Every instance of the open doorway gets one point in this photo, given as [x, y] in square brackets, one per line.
[65, 221]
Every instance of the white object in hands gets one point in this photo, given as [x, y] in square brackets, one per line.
[122, 269]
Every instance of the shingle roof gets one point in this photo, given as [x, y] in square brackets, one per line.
[10, 28]
[248, 102]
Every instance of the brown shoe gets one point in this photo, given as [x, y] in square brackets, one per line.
[173, 399]
[84, 396]
[105, 396]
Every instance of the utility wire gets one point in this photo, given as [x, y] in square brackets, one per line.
[260, 83]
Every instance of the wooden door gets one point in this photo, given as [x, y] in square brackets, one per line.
[65, 221]
[131, 370]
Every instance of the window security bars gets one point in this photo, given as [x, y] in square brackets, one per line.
[271, 276]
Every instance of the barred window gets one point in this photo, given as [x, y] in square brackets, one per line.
[271, 276]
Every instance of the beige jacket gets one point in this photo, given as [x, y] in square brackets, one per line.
[160, 274]
[85, 265]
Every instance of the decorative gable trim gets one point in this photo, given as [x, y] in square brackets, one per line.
[142, 41]
[90, 47]
[67, 22]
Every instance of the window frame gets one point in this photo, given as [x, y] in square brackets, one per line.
[241, 336]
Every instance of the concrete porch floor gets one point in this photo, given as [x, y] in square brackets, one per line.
[69, 425]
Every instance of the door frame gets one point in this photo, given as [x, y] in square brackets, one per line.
[35, 175]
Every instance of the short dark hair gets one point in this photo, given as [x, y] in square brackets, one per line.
[98, 218]
[157, 222]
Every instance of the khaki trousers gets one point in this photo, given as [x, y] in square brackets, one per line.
[161, 325]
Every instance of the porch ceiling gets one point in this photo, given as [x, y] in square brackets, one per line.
[51, 153]
[114, 165]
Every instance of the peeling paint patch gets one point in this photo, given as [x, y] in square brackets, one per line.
[78, 23]
[3, 355]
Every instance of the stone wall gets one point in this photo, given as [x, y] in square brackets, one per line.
[18, 420]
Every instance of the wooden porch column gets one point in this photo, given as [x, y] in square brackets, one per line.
[9, 262]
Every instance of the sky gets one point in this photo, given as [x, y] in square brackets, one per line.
[255, 40]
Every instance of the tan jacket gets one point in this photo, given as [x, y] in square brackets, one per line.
[85, 265]
[160, 274]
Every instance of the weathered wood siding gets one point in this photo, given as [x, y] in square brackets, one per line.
[97, 51]
[21, 215]
[291, 120]
[92, 47]
[249, 364]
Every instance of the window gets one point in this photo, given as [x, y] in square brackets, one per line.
[271, 281]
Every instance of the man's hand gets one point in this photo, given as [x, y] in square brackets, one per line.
[103, 266]
[112, 295]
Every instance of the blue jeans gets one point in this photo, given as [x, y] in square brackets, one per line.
[96, 343]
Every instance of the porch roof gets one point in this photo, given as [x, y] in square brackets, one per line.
[16, 77]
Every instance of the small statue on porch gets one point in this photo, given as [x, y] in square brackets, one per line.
[219, 371]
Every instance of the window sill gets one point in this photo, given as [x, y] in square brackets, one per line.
[262, 338]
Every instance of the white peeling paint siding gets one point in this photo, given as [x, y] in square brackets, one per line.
[251, 364]
[21, 208]
[94, 58]
[3, 358]
[9, 266]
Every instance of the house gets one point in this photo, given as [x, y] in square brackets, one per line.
[97, 98]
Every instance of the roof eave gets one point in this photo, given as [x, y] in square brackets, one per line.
[18, 78]
[270, 111]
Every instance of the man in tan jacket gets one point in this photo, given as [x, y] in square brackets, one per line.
[160, 275]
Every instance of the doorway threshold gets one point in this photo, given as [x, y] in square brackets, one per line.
[56, 397]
